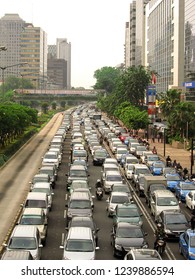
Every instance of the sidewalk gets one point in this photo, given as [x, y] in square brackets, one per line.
[180, 155]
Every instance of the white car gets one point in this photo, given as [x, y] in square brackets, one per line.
[129, 171]
[190, 200]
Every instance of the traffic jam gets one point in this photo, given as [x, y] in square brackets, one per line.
[122, 200]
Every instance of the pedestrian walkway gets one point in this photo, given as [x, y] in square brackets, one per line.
[180, 155]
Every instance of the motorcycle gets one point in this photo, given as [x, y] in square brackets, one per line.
[99, 193]
[160, 245]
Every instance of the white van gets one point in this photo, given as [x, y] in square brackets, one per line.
[163, 200]
[27, 238]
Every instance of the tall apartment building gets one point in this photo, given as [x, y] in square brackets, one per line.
[189, 57]
[64, 52]
[33, 50]
[130, 40]
[165, 42]
[135, 34]
[11, 26]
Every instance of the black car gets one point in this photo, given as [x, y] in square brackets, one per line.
[99, 156]
[85, 222]
[124, 236]
[174, 223]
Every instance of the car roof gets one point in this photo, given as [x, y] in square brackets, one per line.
[115, 172]
[33, 211]
[24, 231]
[41, 184]
[36, 195]
[113, 193]
[77, 167]
[145, 254]
[129, 225]
[79, 232]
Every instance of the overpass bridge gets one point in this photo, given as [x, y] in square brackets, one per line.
[70, 97]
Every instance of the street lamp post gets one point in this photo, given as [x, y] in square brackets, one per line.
[3, 76]
[192, 156]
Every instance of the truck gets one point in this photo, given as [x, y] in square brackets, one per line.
[152, 183]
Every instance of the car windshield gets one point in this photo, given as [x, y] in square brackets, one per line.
[127, 233]
[142, 171]
[47, 171]
[159, 165]
[149, 255]
[120, 189]
[78, 173]
[119, 199]
[80, 204]
[127, 213]
[167, 201]
[22, 243]
[154, 187]
[35, 203]
[40, 179]
[51, 156]
[77, 184]
[188, 187]
[175, 219]
[114, 178]
[153, 158]
[81, 223]
[31, 220]
[79, 245]
[173, 177]
[122, 151]
[79, 153]
[141, 148]
[100, 153]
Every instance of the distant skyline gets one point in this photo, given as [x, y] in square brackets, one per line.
[95, 29]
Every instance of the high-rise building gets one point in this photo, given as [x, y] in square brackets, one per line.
[57, 73]
[135, 34]
[52, 52]
[189, 59]
[34, 52]
[64, 52]
[11, 26]
[165, 42]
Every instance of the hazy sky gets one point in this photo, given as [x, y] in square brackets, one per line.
[95, 29]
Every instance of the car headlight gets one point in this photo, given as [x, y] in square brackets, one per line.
[118, 247]
[191, 254]
[95, 159]
[167, 231]
[145, 246]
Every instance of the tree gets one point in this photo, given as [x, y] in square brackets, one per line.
[44, 107]
[132, 85]
[106, 78]
[168, 101]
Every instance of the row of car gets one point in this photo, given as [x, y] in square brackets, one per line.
[162, 187]
[29, 234]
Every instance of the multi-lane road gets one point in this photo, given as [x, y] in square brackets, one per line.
[14, 187]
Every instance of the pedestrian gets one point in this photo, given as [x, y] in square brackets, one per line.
[154, 150]
[153, 138]
[158, 137]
